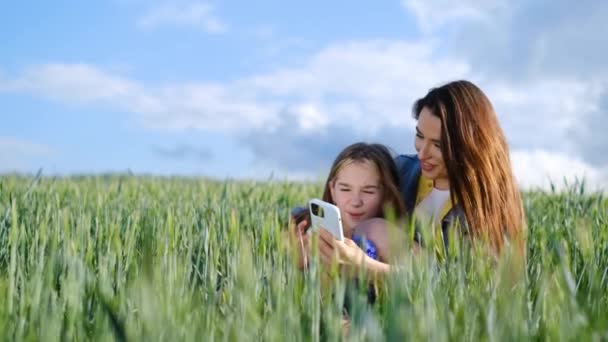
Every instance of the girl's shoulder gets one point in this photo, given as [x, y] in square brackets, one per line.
[367, 245]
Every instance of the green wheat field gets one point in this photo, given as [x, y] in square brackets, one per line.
[134, 258]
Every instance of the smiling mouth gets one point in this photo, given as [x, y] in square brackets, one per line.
[356, 216]
[427, 167]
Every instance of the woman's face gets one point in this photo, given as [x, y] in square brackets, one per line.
[428, 146]
[358, 193]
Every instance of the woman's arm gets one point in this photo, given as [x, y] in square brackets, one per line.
[385, 236]
[353, 259]
[376, 270]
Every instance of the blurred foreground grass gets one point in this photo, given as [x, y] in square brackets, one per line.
[142, 258]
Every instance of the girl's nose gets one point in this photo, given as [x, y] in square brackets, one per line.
[357, 200]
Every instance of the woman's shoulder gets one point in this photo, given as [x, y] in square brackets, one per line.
[408, 168]
[406, 162]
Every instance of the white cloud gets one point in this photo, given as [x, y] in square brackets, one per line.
[209, 106]
[310, 118]
[14, 153]
[543, 113]
[196, 15]
[433, 15]
[344, 93]
[540, 169]
[169, 107]
[370, 84]
[75, 83]
[521, 39]
[366, 84]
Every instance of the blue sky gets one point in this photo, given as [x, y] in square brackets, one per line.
[253, 89]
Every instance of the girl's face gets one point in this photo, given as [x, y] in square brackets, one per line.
[358, 193]
[428, 146]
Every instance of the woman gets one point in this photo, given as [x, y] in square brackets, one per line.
[363, 183]
[461, 177]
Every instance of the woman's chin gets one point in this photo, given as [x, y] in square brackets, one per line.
[429, 174]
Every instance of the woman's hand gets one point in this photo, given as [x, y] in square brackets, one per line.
[299, 239]
[346, 254]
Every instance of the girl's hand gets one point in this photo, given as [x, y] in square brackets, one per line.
[346, 254]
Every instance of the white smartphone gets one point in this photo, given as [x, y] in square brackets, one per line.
[326, 215]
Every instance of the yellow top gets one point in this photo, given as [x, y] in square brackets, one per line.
[425, 187]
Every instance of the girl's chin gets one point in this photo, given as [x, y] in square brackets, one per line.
[352, 223]
[348, 232]
[348, 227]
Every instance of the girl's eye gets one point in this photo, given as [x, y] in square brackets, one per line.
[370, 192]
[419, 136]
[344, 189]
[438, 146]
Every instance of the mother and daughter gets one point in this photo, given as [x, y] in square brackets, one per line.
[460, 179]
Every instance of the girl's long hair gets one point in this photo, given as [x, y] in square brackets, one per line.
[477, 159]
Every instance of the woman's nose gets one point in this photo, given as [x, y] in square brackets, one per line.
[424, 151]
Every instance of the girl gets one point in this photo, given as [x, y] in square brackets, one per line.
[363, 183]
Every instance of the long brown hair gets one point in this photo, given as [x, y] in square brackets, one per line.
[477, 159]
[381, 158]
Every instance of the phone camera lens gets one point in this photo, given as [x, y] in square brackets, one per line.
[316, 210]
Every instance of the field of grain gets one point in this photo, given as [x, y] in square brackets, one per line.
[132, 258]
